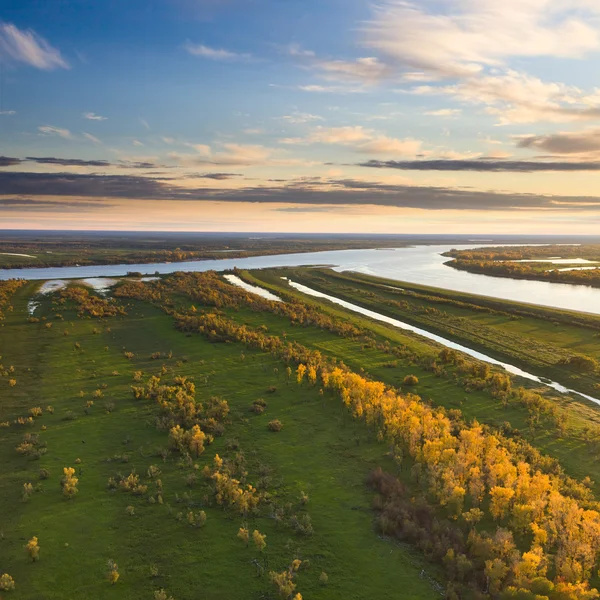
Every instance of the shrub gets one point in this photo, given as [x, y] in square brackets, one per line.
[411, 380]
[7, 583]
[275, 425]
[302, 524]
[33, 549]
[260, 540]
[258, 406]
[113, 572]
[69, 483]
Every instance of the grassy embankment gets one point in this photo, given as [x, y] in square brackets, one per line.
[574, 449]
[534, 338]
[320, 451]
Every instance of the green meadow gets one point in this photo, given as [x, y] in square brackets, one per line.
[320, 452]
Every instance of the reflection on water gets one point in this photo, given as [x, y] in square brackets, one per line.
[420, 264]
[441, 340]
[235, 280]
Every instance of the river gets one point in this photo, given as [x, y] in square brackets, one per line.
[419, 264]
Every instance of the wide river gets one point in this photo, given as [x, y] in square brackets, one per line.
[419, 264]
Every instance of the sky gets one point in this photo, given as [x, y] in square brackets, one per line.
[430, 116]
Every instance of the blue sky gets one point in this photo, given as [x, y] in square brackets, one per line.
[329, 115]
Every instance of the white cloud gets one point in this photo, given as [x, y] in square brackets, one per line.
[8, 112]
[515, 97]
[297, 118]
[330, 89]
[144, 123]
[471, 34]
[359, 139]
[51, 130]
[91, 138]
[444, 112]
[368, 70]
[214, 53]
[93, 117]
[201, 149]
[297, 50]
[28, 47]
[137, 143]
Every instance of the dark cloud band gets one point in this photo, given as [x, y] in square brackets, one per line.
[301, 192]
[482, 165]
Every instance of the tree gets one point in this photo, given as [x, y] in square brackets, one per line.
[260, 540]
[69, 483]
[33, 548]
[411, 380]
[300, 371]
[244, 535]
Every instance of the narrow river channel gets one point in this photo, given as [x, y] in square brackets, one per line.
[423, 332]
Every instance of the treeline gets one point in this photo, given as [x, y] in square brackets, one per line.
[209, 289]
[7, 289]
[527, 271]
[525, 525]
[588, 251]
[91, 305]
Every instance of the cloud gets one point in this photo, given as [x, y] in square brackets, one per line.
[307, 209]
[68, 162]
[483, 165]
[29, 204]
[298, 118]
[360, 139]
[301, 192]
[233, 154]
[51, 130]
[26, 46]
[77, 162]
[329, 89]
[91, 138]
[367, 70]
[444, 112]
[214, 53]
[8, 113]
[516, 97]
[93, 116]
[217, 176]
[470, 35]
[144, 123]
[582, 142]
[7, 161]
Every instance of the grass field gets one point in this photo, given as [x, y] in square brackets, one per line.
[530, 337]
[320, 451]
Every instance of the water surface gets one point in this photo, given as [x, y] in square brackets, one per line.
[419, 264]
